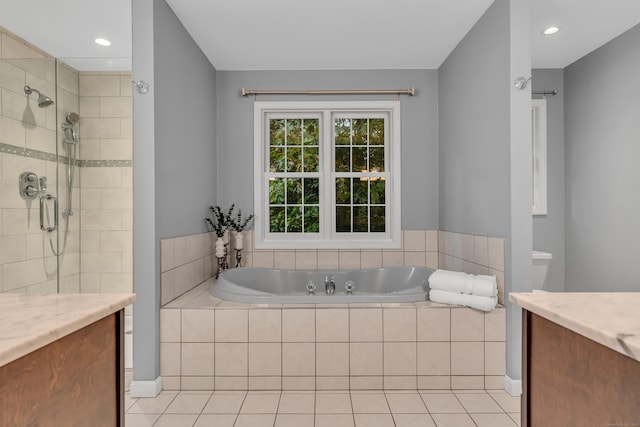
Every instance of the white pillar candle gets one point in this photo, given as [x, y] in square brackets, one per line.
[219, 248]
[225, 237]
[238, 241]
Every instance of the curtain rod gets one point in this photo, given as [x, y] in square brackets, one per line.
[545, 92]
[410, 92]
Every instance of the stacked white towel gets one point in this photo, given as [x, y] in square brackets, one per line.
[473, 301]
[463, 283]
[452, 287]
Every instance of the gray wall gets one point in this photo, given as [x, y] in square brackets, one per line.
[419, 130]
[473, 108]
[602, 145]
[485, 154]
[146, 274]
[548, 230]
[174, 160]
[518, 267]
[185, 105]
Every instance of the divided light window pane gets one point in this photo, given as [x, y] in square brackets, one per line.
[294, 200]
[359, 190]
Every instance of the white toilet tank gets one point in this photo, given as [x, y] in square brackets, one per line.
[540, 269]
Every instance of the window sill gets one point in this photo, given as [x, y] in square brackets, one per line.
[334, 244]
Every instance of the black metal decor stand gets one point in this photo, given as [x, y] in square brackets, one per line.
[222, 263]
[238, 258]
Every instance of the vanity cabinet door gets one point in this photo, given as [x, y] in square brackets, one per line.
[570, 380]
[74, 381]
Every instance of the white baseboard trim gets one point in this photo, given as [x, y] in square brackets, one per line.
[513, 387]
[145, 388]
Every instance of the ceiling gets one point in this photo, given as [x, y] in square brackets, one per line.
[584, 25]
[301, 34]
[328, 34]
[67, 29]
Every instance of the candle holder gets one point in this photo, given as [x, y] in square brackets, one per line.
[238, 258]
[225, 263]
[222, 265]
[221, 254]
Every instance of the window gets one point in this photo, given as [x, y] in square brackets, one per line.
[539, 147]
[327, 174]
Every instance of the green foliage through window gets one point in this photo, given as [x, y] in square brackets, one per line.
[359, 150]
[286, 140]
[294, 149]
[294, 205]
[359, 145]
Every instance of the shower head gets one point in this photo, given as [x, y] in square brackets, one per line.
[43, 100]
[73, 118]
[69, 127]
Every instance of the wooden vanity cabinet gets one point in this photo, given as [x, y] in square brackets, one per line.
[571, 381]
[77, 380]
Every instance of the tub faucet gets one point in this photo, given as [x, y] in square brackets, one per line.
[330, 284]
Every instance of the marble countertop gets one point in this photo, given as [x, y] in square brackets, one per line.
[609, 318]
[29, 322]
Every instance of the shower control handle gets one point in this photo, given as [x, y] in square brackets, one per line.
[30, 192]
[29, 188]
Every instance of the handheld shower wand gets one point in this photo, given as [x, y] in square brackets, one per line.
[69, 127]
[71, 145]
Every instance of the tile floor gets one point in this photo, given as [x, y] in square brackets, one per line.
[433, 408]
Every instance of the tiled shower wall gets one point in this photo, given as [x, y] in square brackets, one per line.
[28, 143]
[187, 261]
[97, 256]
[106, 178]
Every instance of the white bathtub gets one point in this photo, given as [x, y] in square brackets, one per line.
[271, 286]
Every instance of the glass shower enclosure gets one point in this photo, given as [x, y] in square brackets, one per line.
[65, 176]
[65, 151]
[33, 165]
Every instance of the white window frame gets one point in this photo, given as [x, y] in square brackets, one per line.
[539, 155]
[327, 238]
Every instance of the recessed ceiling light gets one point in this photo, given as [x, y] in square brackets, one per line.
[103, 42]
[550, 30]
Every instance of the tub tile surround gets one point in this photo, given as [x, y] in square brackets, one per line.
[474, 255]
[409, 346]
[187, 261]
[210, 344]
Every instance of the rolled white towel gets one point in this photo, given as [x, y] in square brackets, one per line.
[455, 281]
[473, 301]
